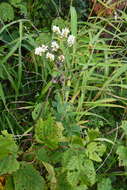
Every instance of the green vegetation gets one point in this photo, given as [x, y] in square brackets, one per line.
[63, 97]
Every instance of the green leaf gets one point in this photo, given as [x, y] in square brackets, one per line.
[2, 96]
[6, 12]
[37, 110]
[42, 155]
[14, 2]
[62, 183]
[80, 171]
[93, 134]
[122, 155]
[73, 21]
[124, 126]
[62, 23]
[105, 184]
[7, 145]
[81, 187]
[8, 165]
[45, 132]
[48, 132]
[9, 183]
[28, 178]
[95, 151]
[8, 154]
[43, 38]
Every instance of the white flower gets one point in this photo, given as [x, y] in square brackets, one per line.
[65, 32]
[44, 48]
[56, 29]
[38, 51]
[71, 40]
[54, 46]
[61, 58]
[41, 49]
[50, 56]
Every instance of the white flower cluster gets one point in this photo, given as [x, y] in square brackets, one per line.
[64, 34]
[56, 29]
[50, 56]
[61, 58]
[71, 40]
[54, 46]
[41, 49]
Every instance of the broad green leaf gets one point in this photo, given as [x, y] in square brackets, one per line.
[8, 154]
[42, 155]
[6, 12]
[95, 151]
[45, 132]
[80, 170]
[8, 165]
[104, 184]
[49, 132]
[62, 183]
[7, 145]
[28, 178]
[122, 155]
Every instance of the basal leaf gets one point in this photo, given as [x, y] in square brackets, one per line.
[28, 178]
[8, 154]
[7, 145]
[8, 165]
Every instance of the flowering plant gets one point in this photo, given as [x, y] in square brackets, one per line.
[61, 35]
[56, 51]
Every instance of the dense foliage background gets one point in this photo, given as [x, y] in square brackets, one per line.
[63, 121]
